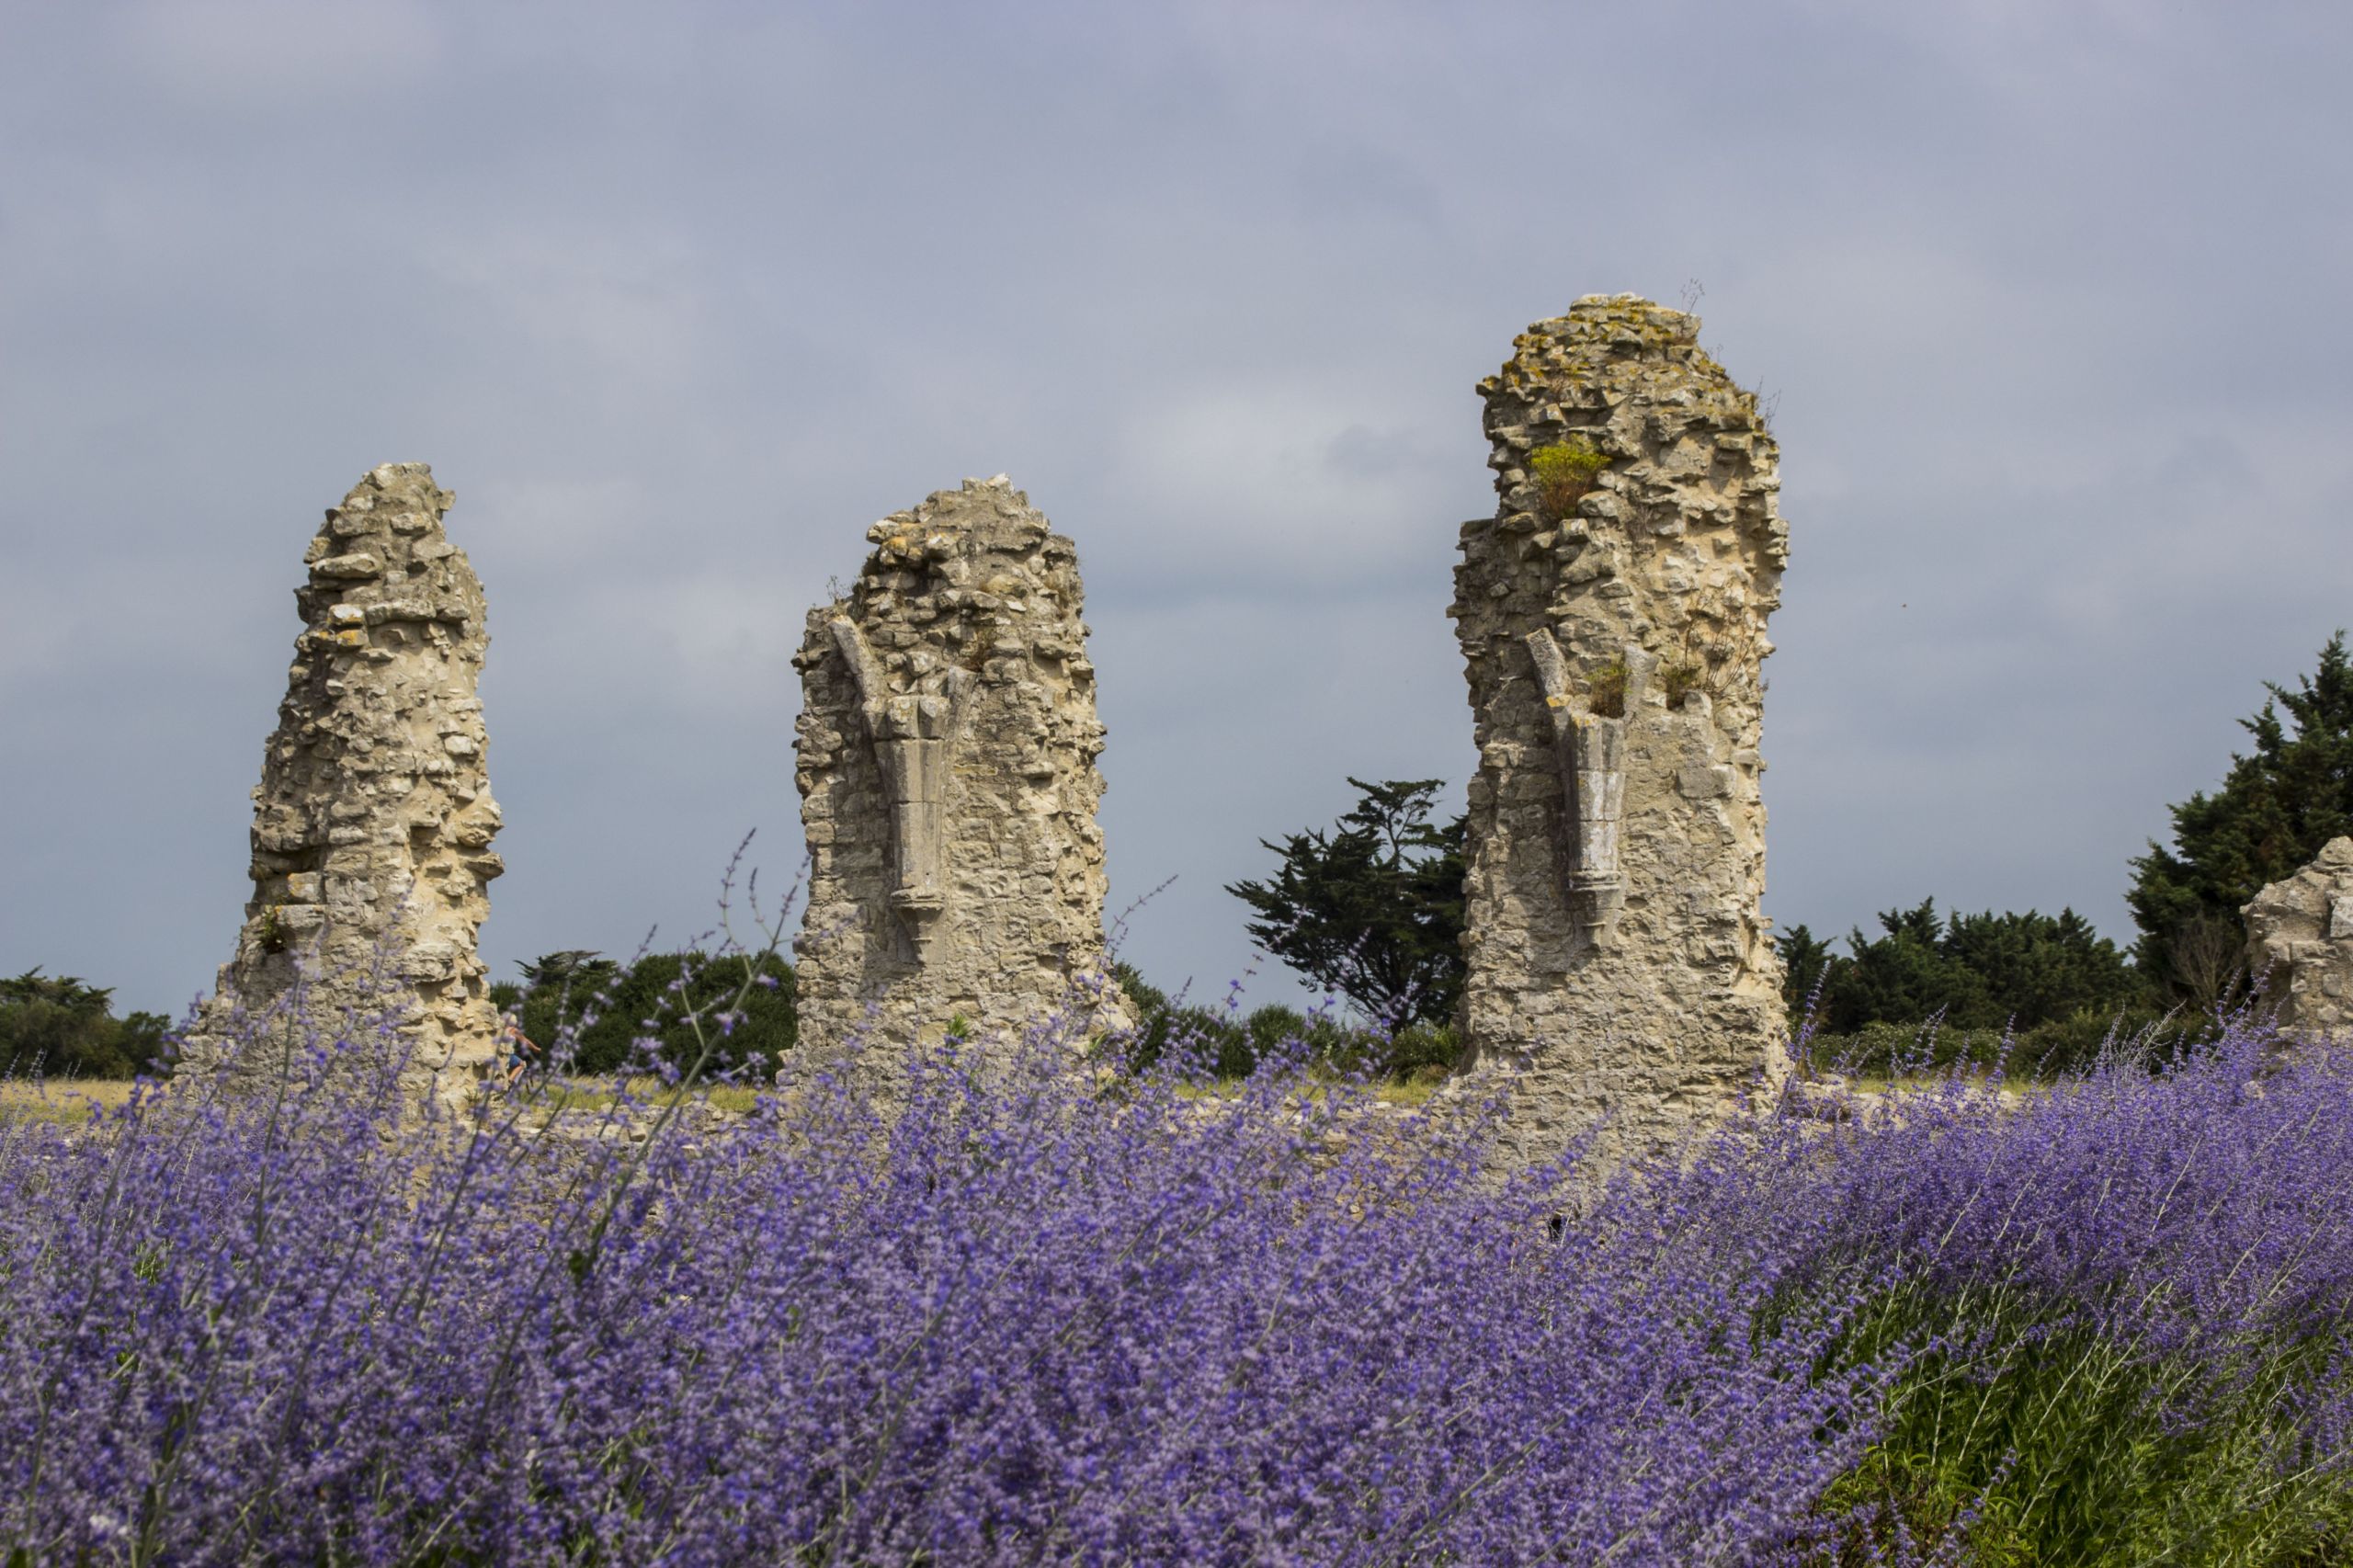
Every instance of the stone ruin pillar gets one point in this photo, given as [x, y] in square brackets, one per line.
[946, 763]
[1612, 614]
[2300, 942]
[373, 819]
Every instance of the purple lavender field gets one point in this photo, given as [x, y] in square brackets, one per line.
[1044, 1312]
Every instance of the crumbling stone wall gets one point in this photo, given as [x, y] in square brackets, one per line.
[373, 819]
[1611, 616]
[946, 763]
[2300, 942]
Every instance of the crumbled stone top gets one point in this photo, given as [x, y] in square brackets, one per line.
[976, 567]
[381, 556]
[1574, 371]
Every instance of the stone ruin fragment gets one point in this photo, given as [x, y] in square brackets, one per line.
[1611, 616]
[946, 763]
[373, 819]
[2300, 944]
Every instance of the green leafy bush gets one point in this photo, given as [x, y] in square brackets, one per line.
[1607, 693]
[1564, 473]
[1974, 971]
[58, 1026]
[604, 1007]
[2071, 1045]
[1680, 680]
[1237, 1047]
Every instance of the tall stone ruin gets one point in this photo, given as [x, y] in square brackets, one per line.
[1611, 616]
[946, 763]
[373, 819]
[2300, 943]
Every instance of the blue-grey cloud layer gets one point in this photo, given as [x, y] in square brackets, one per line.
[679, 298]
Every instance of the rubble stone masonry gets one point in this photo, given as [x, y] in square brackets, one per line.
[373, 820]
[946, 765]
[1612, 621]
[2300, 943]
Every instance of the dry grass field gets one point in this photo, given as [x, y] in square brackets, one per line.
[64, 1100]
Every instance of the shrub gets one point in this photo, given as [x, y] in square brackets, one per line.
[1421, 1051]
[1605, 695]
[1972, 971]
[594, 1013]
[2075, 1044]
[1216, 1041]
[1005, 1320]
[2130, 1292]
[1680, 680]
[1008, 1318]
[59, 1027]
[1564, 473]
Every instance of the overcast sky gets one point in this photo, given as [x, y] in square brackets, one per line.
[2051, 298]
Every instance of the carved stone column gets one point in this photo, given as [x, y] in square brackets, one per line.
[946, 751]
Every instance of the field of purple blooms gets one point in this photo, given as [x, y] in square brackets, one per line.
[1032, 1311]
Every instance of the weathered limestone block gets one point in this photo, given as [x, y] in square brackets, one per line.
[373, 819]
[1611, 616]
[2300, 943]
[946, 763]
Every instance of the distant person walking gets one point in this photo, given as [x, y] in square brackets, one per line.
[516, 1050]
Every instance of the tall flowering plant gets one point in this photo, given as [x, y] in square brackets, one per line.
[1020, 1308]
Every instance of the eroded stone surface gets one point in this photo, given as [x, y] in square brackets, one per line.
[1617, 957]
[2300, 943]
[373, 819]
[946, 763]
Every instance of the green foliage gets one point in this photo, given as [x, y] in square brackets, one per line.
[609, 1008]
[1680, 680]
[2037, 1442]
[1146, 997]
[1607, 694]
[1975, 972]
[1805, 962]
[1421, 1052]
[1564, 473]
[1234, 1047]
[1373, 910]
[58, 1026]
[2043, 991]
[2276, 808]
[1905, 974]
[2071, 1044]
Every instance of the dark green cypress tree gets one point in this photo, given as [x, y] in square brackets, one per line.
[1807, 966]
[1373, 909]
[2040, 968]
[1905, 974]
[2276, 807]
